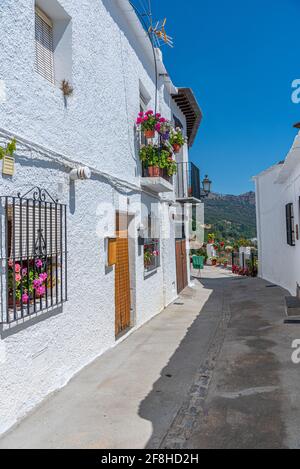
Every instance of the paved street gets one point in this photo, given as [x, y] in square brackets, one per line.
[213, 370]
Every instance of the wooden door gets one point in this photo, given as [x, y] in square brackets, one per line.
[122, 277]
[181, 265]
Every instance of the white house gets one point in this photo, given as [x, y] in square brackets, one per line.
[278, 219]
[78, 209]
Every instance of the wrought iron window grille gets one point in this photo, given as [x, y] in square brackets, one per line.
[33, 254]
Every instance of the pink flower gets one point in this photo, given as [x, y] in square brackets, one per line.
[24, 272]
[145, 118]
[141, 114]
[139, 120]
[18, 278]
[41, 290]
[162, 119]
[10, 262]
[157, 127]
[38, 263]
[25, 298]
[158, 115]
[17, 268]
[149, 113]
[37, 283]
[43, 276]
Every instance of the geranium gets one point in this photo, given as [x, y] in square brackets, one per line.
[24, 281]
[38, 263]
[25, 298]
[148, 121]
[176, 137]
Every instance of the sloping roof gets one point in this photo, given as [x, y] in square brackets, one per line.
[189, 106]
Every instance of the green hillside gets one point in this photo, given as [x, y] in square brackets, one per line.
[231, 217]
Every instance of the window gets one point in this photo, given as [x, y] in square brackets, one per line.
[290, 224]
[35, 254]
[152, 245]
[44, 63]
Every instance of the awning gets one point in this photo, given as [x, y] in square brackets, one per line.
[188, 105]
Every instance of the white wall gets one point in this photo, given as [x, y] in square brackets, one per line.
[279, 263]
[96, 128]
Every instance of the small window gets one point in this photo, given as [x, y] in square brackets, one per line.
[44, 63]
[290, 224]
[152, 245]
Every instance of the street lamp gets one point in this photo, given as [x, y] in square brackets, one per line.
[206, 184]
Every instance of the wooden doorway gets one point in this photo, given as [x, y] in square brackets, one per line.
[181, 265]
[122, 277]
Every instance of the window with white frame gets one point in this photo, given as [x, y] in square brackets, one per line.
[44, 62]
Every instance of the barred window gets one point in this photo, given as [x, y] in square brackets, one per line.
[152, 244]
[290, 224]
[34, 254]
[44, 63]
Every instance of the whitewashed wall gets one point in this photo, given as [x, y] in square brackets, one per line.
[278, 262]
[96, 128]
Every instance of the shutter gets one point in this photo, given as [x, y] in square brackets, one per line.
[290, 226]
[36, 231]
[44, 64]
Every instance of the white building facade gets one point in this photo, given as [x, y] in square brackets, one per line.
[101, 50]
[278, 218]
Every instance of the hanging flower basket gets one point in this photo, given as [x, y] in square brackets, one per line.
[8, 165]
[149, 133]
[176, 148]
[7, 155]
[149, 123]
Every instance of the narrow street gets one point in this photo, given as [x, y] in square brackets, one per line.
[213, 370]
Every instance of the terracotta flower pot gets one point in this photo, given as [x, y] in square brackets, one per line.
[154, 171]
[149, 133]
[176, 148]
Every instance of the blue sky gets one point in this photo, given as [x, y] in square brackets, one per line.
[240, 58]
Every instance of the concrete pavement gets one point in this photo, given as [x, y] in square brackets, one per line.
[213, 370]
[129, 397]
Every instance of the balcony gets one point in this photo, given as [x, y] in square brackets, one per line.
[187, 183]
[156, 180]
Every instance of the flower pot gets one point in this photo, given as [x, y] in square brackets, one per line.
[154, 171]
[149, 133]
[8, 165]
[176, 148]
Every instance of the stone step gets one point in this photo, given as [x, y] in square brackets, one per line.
[292, 309]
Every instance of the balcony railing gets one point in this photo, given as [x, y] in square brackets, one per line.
[187, 182]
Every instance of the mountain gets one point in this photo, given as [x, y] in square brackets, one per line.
[231, 216]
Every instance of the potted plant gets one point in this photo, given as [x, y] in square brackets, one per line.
[7, 155]
[26, 282]
[177, 139]
[147, 257]
[157, 160]
[211, 238]
[149, 123]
